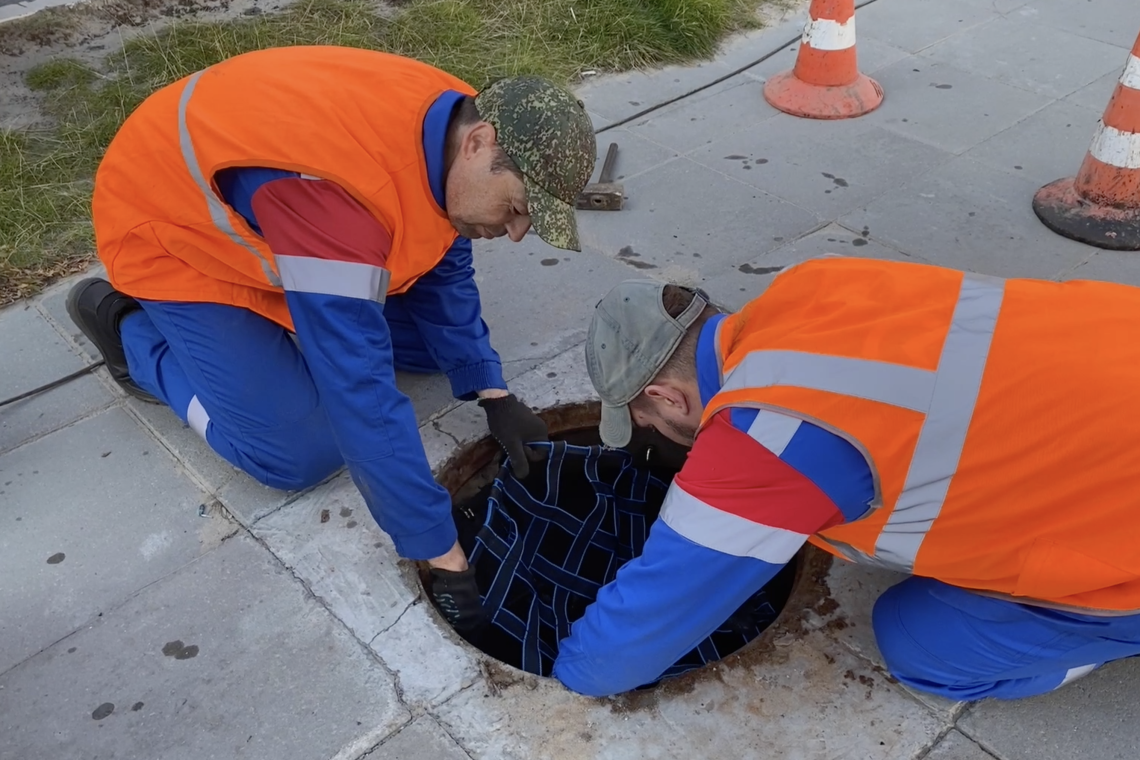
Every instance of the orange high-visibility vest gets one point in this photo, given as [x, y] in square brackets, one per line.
[1000, 419]
[354, 117]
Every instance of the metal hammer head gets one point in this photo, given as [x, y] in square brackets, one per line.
[605, 194]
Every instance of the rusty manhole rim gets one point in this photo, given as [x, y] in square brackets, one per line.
[463, 467]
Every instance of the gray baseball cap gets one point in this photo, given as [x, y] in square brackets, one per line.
[631, 338]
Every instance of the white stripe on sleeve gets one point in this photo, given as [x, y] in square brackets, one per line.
[726, 532]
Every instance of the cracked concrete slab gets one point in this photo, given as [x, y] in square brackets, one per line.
[329, 540]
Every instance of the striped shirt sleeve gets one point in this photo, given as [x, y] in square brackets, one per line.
[736, 496]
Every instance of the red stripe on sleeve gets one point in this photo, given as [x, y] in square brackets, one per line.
[728, 470]
[319, 219]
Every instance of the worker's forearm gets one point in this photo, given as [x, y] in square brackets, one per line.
[348, 349]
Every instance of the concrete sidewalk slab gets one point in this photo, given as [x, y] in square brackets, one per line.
[1098, 94]
[820, 165]
[657, 232]
[805, 697]
[972, 217]
[1016, 51]
[227, 658]
[732, 289]
[1109, 266]
[956, 746]
[1104, 20]
[92, 514]
[716, 114]
[548, 285]
[34, 354]
[949, 108]
[1046, 146]
[1093, 718]
[328, 539]
[422, 739]
[918, 24]
[431, 662]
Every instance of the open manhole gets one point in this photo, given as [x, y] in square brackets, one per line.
[539, 573]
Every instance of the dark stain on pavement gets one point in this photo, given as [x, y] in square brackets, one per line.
[548, 262]
[941, 86]
[56, 558]
[345, 512]
[735, 157]
[136, 706]
[839, 181]
[180, 651]
[628, 256]
[103, 710]
[351, 524]
[858, 242]
[749, 269]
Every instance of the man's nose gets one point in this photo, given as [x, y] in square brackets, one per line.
[517, 227]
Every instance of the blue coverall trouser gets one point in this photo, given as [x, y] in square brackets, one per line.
[964, 646]
[242, 383]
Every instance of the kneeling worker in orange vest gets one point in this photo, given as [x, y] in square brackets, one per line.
[331, 194]
[977, 434]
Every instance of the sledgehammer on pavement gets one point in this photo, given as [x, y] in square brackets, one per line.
[605, 194]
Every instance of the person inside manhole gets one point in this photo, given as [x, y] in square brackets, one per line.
[974, 433]
[286, 229]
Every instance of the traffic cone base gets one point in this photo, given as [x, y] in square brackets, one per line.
[1062, 209]
[1101, 205]
[825, 82]
[814, 101]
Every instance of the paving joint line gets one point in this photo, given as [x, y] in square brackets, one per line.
[981, 744]
[313, 596]
[82, 417]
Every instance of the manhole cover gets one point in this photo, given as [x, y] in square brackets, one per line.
[542, 546]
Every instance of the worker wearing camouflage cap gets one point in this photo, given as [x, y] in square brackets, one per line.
[329, 194]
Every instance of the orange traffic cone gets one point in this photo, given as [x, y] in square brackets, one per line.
[826, 83]
[1101, 205]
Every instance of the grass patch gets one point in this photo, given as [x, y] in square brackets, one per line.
[46, 175]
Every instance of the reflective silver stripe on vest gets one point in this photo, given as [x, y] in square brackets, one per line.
[217, 209]
[891, 384]
[943, 434]
[947, 397]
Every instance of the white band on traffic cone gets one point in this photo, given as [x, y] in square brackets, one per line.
[1115, 148]
[825, 34]
[1131, 76]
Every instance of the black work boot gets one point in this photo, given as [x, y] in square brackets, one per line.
[97, 309]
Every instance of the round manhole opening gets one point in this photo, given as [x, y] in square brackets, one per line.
[544, 545]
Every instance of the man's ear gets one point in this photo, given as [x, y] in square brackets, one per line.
[477, 138]
[667, 396]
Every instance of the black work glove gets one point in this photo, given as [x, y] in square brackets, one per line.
[514, 425]
[457, 596]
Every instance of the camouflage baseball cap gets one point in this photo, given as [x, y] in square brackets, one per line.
[548, 134]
